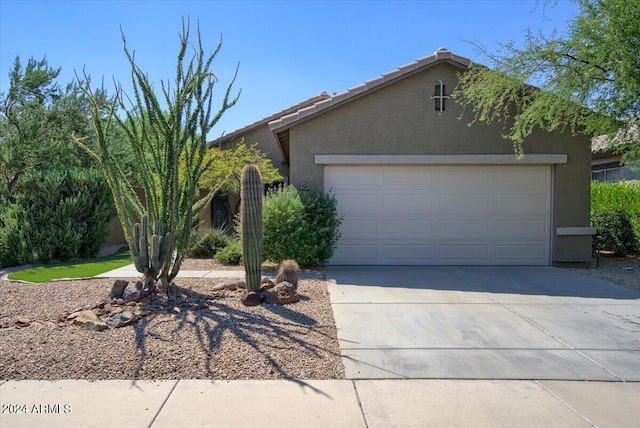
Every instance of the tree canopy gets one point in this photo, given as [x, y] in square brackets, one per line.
[226, 168]
[37, 119]
[588, 78]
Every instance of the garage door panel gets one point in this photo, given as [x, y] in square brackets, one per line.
[407, 252]
[355, 228]
[408, 214]
[411, 228]
[465, 202]
[401, 177]
[407, 202]
[352, 178]
[355, 203]
[510, 176]
[476, 228]
[522, 227]
[525, 254]
[455, 176]
[527, 202]
[464, 252]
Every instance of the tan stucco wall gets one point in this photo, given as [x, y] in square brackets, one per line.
[401, 119]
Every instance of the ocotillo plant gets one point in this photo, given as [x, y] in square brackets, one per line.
[251, 222]
[167, 132]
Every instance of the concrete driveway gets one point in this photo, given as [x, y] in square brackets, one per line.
[525, 323]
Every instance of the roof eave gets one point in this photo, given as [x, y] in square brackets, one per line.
[441, 56]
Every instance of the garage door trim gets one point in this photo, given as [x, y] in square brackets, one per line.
[455, 159]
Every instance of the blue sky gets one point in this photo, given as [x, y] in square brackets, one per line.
[288, 51]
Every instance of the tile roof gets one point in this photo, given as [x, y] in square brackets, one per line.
[605, 144]
[264, 121]
[439, 56]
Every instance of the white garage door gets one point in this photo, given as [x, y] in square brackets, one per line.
[442, 215]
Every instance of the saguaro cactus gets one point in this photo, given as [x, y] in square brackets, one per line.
[251, 220]
[149, 254]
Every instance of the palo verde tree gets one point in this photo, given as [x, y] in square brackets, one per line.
[589, 78]
[163, 132]
[226, 171]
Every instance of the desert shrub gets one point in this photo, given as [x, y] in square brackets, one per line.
[57, 214]
[208, 242]
[300, 225]
[617, 231]
[615, 213]
[231, 254]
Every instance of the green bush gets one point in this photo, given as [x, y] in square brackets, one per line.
[300, 225]
[615, 213]
[56, 214]
[208, 242]
[617, 231]
[13, 249]
[607, 195]
[231, 254]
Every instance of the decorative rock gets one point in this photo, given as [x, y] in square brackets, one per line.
[267, 283]
[23, 322]
[231, 286]
[240, 284]
[220, 286]
[118, 288]
[132, 292]
[282, 294]
[89, 320]
[251, 298]
[121, 319]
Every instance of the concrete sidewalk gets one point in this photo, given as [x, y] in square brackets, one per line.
[130, 271]
[319, 403]
[396, 328]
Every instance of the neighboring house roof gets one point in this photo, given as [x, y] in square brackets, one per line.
[264, 121]
[606, 144]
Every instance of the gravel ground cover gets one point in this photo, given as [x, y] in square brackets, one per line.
[224, 340]
[624, 271]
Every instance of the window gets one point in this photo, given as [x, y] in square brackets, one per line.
[439, 97]
[613, 174]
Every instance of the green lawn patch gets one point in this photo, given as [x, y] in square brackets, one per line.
[73, 269]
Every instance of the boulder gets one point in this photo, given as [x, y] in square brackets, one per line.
[89, 320]
[118, 288]
[132, 292]
[121, 319]
[136, 292]
[251, 298]
[283, 293]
